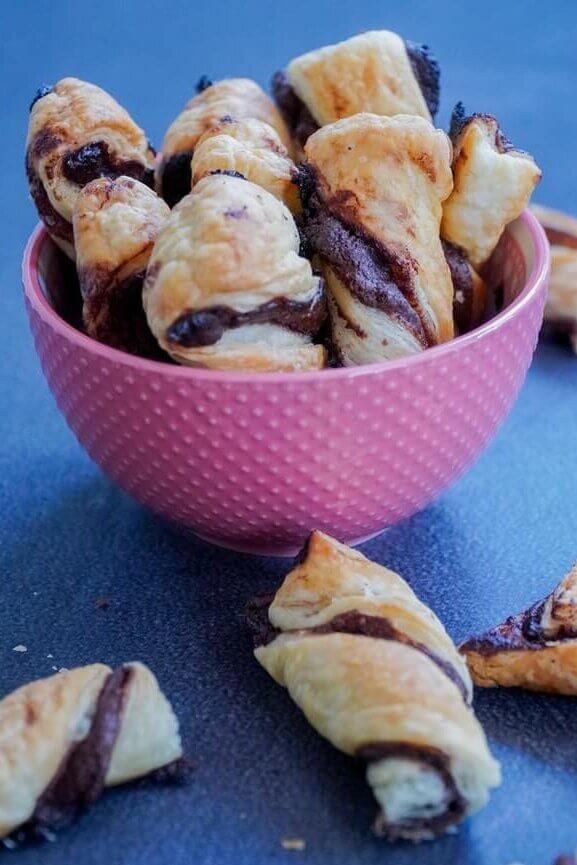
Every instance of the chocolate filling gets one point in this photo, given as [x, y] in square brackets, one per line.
[460, 119]
[432, 758]
[522, 632]
[351, 622]
[427, 72]
[54, 222]
[295, 114]
[462, 279]
[377, 278]
[113, 313]
[207, 326]
[80, 778]
[95, 159]
[176, 177]
[203, 83]
[558, 237]
[565, 860]
[42, 91]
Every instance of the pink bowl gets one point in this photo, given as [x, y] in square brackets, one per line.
[255, 461]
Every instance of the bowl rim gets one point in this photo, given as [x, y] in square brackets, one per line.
[35, 295]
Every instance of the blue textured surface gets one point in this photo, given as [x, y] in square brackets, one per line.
[500, 539]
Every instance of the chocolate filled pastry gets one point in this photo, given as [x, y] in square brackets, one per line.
[493, 183]
[376, 674]
[470, 292]
[536, 649]
[116, 223]
[226, 287]
[78, 132]
[372, 190]
[252, 149]
[66, 738]
[561, 305]
[376, 72]
[234, 98]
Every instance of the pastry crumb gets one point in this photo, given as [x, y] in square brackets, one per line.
[102, 603]
[20, 648]
[49, 655]
[293, 844]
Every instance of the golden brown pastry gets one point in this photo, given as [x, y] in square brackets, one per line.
[470, 292]
[561, 305]
[536, 649]
[376, 72]
[226, 287]
[66, 738]
[252, 149]
[372, 190]
[235, 98]
[493, 184]
[376, 674]
[116, 223]
[78, 132]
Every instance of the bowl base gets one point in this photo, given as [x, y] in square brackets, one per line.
[257, 549]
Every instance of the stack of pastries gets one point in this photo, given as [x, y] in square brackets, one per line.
[335, 227]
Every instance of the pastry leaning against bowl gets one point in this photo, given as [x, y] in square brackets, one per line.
[76, 133]
[65, 738]
[372, 192]
[116, 223]
[233, 98]
[226, 287]
[376, 674]
[536, 649]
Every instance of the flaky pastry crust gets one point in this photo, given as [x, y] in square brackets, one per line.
[561, 305]
[252, 149]
[536, 649]
[372, 214]
[493, 184]
[376, 674]
[235, 98]
[63, 739]
[226, 286]
[76, 133]
[116, 223]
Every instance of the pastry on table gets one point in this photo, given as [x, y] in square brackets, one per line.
[372, 190]
[253, 149]
[116, 223]
[236, 98]
[376, 674]
[65, 738]
[470, 291]
[226, 287]
[78, 132]
[493, 184]
[536, 649]
[561, 305]
[376, 72]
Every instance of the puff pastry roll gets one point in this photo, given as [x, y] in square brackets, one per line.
[116, 223]
[66, 738]
[376, 674]
[226, 287]
[493, 183]
[561, 305]
[376, 72]
[372, 190]
[252, 149]
[78, 132]
[235, 98]
[536, 649]
[470, 292]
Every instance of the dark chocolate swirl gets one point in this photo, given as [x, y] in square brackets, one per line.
[294, 112]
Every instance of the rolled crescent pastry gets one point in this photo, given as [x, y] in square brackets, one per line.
[376, 674]
[66, 738]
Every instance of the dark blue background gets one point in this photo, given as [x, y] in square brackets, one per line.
[498, 540]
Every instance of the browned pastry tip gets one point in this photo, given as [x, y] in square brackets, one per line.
[376, 674]
[66, 738]
[536, 649]
[78, 132]
[561, 305]
[116, 223]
